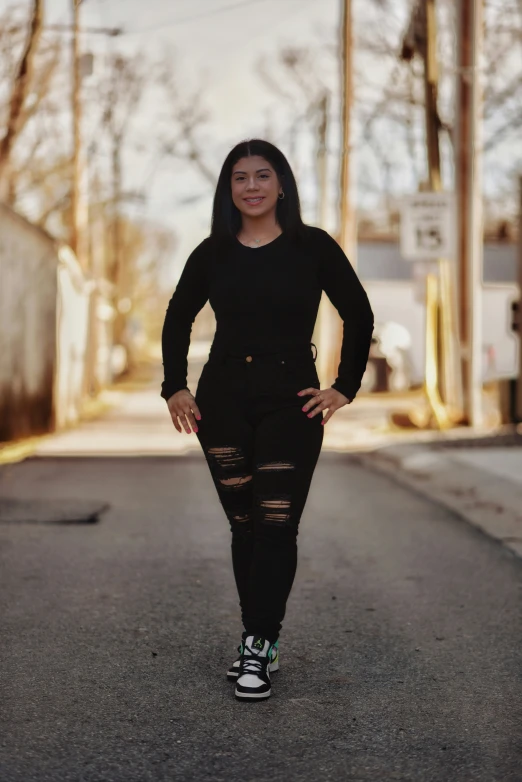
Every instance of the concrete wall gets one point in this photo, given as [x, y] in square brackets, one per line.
[28, 290]
[43, 330]
[72, 319]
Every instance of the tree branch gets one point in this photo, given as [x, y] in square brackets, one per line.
[21, 86]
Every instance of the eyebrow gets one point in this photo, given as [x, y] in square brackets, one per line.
[257, 172]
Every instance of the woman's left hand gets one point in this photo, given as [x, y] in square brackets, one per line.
[324, 399]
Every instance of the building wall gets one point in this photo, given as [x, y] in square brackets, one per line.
[28, 290]
[382, 260]
[399, 302]
[44, 315]
[72, 319]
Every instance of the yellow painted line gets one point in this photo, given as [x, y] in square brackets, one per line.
[20, 450]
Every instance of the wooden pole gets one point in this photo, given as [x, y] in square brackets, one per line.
[518, 399]
[468, 158]
[322, 336]
[75, 186]
[322, 162]
[449, 375]
[346, 217]
[431, 88]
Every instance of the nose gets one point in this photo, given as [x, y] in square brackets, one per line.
[252, 184]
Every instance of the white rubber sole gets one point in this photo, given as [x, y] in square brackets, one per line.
[251, 696]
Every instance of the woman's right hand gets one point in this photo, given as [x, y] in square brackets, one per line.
[182, 406]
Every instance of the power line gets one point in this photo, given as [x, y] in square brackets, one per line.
[195, 17]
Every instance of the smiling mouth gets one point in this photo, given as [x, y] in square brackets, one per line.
[254, 201]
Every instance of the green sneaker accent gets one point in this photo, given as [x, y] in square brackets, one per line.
[273, 654]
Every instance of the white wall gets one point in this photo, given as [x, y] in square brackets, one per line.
[43, 330]
[72, 318]
[396, 301]
[28, 287]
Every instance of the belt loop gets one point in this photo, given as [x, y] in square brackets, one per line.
[314, 346]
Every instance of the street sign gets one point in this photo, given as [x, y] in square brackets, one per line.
[428, 226]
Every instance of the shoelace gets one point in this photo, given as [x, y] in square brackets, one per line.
[251, 665]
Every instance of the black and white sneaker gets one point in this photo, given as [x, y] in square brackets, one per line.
[233, 671]
[253, 681]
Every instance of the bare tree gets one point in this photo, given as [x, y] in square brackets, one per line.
[20, 88]
[389, 100]
[187, 116]
[39, 134]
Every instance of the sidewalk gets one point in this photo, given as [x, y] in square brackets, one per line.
[136, 423]
[480, 479]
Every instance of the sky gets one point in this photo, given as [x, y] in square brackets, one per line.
[215, 43]
[214, 46]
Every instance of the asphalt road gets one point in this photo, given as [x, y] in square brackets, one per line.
[400, 658]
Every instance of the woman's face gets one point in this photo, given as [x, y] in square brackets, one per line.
[255, 186]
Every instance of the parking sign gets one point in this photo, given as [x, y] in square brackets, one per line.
[428, 226]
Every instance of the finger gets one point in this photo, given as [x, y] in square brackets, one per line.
[327, 417]
[195, 410]
[175, 421]
[192, 421]
[317, 409]
[320, 404]
[184, 422]
[307, 391]
[311, 402]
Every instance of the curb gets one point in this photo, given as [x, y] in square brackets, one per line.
[490, 503]
[19, 450]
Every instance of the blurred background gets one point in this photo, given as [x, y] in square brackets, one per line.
[402, 122]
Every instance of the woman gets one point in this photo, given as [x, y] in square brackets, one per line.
[258, 408]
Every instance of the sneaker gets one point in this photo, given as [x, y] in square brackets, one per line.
[233, 671]
[253, 682]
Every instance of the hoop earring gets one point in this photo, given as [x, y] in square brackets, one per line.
[281, 196]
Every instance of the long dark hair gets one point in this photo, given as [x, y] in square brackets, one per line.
[226, 217]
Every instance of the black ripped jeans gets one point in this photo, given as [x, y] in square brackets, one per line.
[262, 450]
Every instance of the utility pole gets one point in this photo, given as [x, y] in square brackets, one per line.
[322, 336]
[431, 88]
[322, 161]
[76, 121]
[468, 166]
[449, 375]
[78, 228]
[443, 381]
[346, 217]
[331, 356]
[116, 133]
[116, 273]
[518, 399]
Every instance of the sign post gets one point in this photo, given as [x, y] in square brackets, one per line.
[428, 239]
[428, 226]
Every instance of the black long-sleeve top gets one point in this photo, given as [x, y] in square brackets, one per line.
[266, 299]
